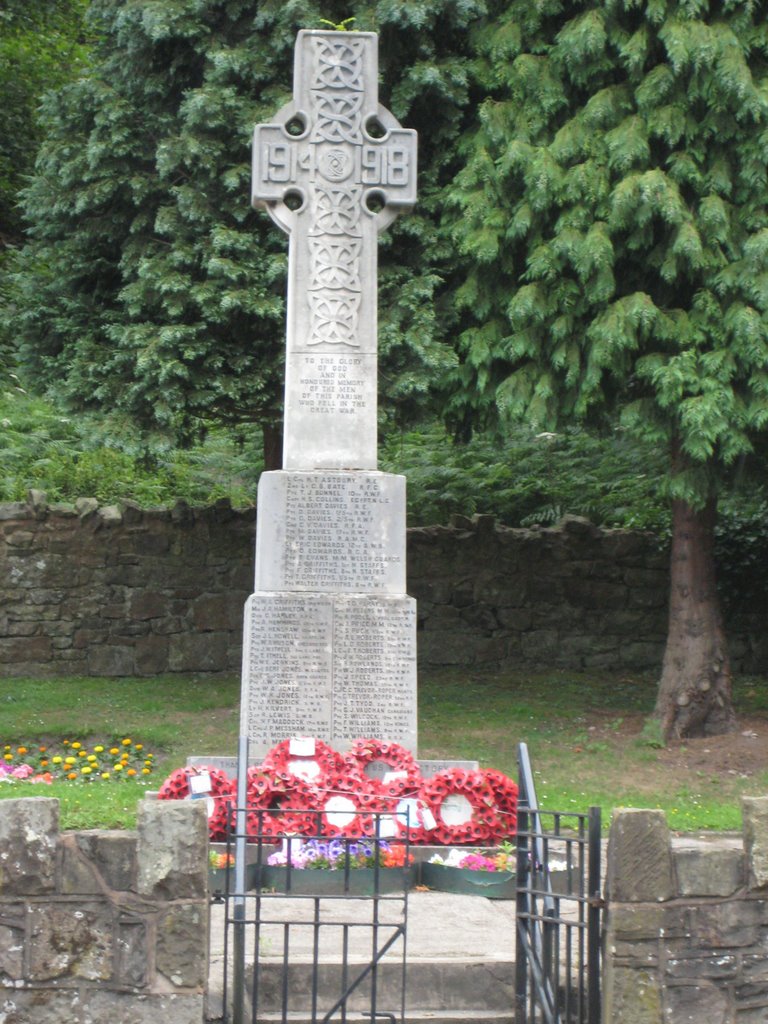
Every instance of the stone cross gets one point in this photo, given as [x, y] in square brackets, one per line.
[333, 170]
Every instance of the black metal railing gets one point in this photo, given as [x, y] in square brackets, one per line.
[306, 944]
[557, 957]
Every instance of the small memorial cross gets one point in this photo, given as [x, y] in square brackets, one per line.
[333, 170]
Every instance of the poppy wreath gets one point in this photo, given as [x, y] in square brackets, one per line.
[367, 751]
[348, 805]
[484, 822]
[505, 793]
[280, 761]
[413, 819]
[278, 806]
[176, 787]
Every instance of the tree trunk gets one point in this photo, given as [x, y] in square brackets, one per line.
[694, 696]
[272, 448]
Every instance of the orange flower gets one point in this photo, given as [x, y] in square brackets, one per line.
[21, 750]
[131, 771]
[72, 775]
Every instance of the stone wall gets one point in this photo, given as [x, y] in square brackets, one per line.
[124, 591]
[103, 926]
[686, 926]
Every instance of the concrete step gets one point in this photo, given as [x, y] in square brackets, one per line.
[454, 986]
[411, 1017]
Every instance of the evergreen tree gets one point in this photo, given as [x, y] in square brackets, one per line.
[614, 208]
[40, 48]
[149, 285]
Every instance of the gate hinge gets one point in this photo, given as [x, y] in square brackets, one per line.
[596, 901]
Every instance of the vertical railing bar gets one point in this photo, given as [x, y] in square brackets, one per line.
[284, 979]
[522, 903]
[344, 969]
[315, 954]
[238, 934]
[406, 864]
[593, 915]
[568, 979]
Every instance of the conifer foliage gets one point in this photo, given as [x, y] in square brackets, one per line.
[150, 285]
[614, 208]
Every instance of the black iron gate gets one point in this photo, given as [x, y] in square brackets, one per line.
[557, 955]
[309, 946]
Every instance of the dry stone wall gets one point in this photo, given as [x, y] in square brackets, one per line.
[124, 591]
[686, 926]
[103, 926]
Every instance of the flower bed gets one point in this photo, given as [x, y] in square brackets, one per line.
[473, 873]
[73, 761]
[339, 867]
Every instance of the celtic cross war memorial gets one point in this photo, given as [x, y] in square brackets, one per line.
[330, 634]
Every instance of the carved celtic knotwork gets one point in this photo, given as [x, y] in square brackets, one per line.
[338, 63]
[338, 118]
[338, 211]
[335, 262]
[334, 319]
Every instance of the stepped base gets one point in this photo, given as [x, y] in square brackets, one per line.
[460, 963]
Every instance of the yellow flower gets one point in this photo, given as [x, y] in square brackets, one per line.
[86, 769]
[7, 746]
[146, 771]
[118, 767]
[105, 775]
[57, 759]
[8, 757]
[92, 757]
[82, 753]
[76, 746]
[99, 749]
[148, 763]
[114, 750]
[70, 760]
[139, 746]
[126, 742]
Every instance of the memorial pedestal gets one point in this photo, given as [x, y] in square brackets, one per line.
[330, 635]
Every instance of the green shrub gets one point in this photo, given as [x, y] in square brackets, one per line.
[528, 478]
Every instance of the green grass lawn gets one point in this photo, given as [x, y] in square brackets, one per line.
[583, 733]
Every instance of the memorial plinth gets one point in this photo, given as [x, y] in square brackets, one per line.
[330, 634]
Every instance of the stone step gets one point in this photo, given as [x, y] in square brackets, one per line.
[411, 1017]
[458, 986]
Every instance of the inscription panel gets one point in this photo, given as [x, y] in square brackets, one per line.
[333, 667]
[333, 398]
[287, 668]
[331, 532]
[374, 646]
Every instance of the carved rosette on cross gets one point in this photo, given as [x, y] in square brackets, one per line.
[333, 170]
